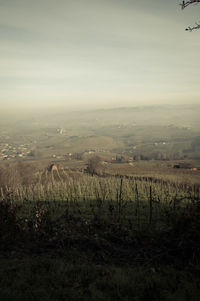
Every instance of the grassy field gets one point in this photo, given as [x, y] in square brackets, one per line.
[72, 236]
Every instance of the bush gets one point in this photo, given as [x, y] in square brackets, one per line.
[95, 166]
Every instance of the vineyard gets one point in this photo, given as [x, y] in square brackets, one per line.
[138, 202]
[122, 227]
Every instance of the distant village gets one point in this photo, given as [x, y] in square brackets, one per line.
[8, 151]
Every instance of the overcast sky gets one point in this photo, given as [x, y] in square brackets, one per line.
[98, 53]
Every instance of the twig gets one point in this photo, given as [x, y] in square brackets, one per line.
[192, 28]
[184, 4]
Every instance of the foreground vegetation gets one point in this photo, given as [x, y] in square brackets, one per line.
[82, 237]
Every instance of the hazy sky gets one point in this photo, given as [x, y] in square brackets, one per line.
[98, 53]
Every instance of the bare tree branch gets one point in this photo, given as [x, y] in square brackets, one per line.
[192, 28]
[184, 4]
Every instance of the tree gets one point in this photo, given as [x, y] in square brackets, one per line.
[184, 4]
[95, 165]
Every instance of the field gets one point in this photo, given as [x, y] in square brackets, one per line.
[100, 238]
[125, 228]
[143, 133]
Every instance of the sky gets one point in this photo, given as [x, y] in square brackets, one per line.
[98, 53]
